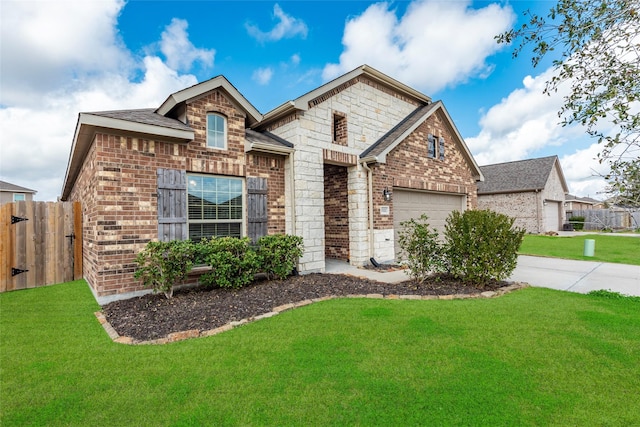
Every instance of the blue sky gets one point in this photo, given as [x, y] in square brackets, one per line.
[59, 58]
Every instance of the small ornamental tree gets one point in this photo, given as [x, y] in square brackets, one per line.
[278, 254]
[481, 245]
[421, 249]
[161, 265]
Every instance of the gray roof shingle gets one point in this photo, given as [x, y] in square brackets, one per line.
[518, 176]
[398, 130]
[7, 186]
[146, 116]
[266, 138]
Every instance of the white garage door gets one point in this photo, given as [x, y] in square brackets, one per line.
[551, 216]
[411, 204]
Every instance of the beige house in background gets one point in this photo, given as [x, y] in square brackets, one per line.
[532, 191]
[15, 193]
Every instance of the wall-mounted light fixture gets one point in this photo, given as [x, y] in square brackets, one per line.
[544, 202]
[386, 194]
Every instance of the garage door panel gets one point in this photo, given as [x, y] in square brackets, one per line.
[412, 204]
[552, 216]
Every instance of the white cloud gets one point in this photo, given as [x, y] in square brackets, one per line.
[39, 109]
[45, 45]
[287, 27]
[178, 49]
[433, 45]
[263, 75]
[526, 125]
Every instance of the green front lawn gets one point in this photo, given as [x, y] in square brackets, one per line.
[616, 249]
[533, 357]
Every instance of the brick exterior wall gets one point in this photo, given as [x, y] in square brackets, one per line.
[525, 207]
[528, 207]
[271, 167]
[336, 212]
[408, 167]
[117, 187]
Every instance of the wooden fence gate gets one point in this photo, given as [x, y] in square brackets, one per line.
[40, 244]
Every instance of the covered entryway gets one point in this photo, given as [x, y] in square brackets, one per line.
[551, 216]
[409, 204]
[336, 212]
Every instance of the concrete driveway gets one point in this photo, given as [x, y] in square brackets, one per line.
[554, 273]
[577, 276]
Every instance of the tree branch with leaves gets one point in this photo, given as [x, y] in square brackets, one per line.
[597, 48]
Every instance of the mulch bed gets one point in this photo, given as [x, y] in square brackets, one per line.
[153, 316]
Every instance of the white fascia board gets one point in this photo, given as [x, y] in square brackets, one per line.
[268, 148]
[383, 156]
[302, 103]
[204, 87]
[279, 111]
[478, 176]
[89, 119]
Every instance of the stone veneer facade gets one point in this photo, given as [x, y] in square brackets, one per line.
[117, 185]
[371, 111]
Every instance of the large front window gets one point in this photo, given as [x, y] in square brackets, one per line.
[215, 206]
[216, 131]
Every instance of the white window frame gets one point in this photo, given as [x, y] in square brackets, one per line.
[223, 132]
[241, 221]
[22, 198]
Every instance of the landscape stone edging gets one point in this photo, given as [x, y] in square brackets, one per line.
[195, 333]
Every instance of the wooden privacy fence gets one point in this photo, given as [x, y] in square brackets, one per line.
[600, 219]
[40, 244]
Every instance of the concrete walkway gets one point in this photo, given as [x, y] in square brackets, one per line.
[554, 273]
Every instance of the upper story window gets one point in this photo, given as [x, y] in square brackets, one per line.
[435, 147]
[18, 197]
[216, 131]
[339, 129]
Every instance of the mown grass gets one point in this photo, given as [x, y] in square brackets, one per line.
[533, 357]
[615, 249]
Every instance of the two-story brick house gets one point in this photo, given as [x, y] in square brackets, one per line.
[340, 166]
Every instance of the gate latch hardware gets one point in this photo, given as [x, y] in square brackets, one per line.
[16, 271]
[15, 219]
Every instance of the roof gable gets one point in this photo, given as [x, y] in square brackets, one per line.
[302, 103]
[520, 176]
[378, 151]
[195, 91]
[13, 188]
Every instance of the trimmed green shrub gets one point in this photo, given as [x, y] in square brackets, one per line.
[421, 248]
[233, 262]
[162, 265]
[278, 254]
[577, 222]
[481, 245]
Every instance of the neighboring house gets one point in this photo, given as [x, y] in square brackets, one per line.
[340, 166]
[14, 193]
[532, 191]
[572, 203]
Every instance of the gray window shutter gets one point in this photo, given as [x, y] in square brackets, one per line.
[432, 146]
[256, 208]
[172, 205]
[441, 148]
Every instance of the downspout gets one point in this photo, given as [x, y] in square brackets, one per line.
[370, 185]
[538, 202]
[293, 193]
